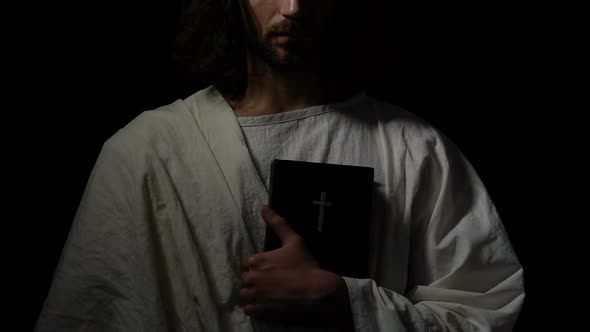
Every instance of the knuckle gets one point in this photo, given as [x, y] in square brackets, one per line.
[250, 279]
[248, 293]
[252, 260]
[250, 309]
[247, 279]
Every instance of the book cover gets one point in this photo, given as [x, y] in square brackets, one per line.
[329, 205]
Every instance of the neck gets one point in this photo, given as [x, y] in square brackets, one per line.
[270, 91]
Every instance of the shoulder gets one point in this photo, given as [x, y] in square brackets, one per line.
[147, 128]
[162, 128]
[153, 135]
[403, 127]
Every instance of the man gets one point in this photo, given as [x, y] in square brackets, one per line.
[169, 234]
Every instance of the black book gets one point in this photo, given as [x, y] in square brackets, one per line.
[329, 206]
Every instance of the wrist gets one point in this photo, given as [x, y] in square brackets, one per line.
[333, 299]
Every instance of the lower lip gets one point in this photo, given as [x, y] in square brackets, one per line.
[285, 39]
[288, 39]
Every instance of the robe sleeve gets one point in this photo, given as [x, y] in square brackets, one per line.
[463, 273]
[95, 284]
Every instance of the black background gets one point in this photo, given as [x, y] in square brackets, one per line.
[501, 80]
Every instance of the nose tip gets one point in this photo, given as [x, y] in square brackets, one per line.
[291, 7]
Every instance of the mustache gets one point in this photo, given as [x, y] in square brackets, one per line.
[288, 28]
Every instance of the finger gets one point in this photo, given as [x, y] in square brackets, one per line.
[278, 224]
[248, 279]
[253, 262]
[247, 295]
[244, 264]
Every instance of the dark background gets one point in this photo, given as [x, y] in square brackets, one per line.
[499, 79]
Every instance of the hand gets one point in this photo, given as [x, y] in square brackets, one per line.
[287, 284]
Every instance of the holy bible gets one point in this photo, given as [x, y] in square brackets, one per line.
[329, 206]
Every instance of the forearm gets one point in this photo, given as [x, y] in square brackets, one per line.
[378, 309]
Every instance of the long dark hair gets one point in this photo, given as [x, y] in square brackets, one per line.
[212, 37]
[210, 43]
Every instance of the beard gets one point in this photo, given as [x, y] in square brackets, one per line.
[303, 52]
[284, 56]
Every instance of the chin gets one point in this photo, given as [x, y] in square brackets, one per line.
[285, 57]
[282, 57]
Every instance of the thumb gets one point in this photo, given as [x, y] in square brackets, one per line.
[278, 224]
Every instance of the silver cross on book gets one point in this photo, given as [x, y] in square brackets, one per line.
[329, 205]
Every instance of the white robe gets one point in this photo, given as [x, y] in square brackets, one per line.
[172, 206]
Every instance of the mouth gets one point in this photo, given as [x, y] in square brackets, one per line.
[286, 37]
[291, 38]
